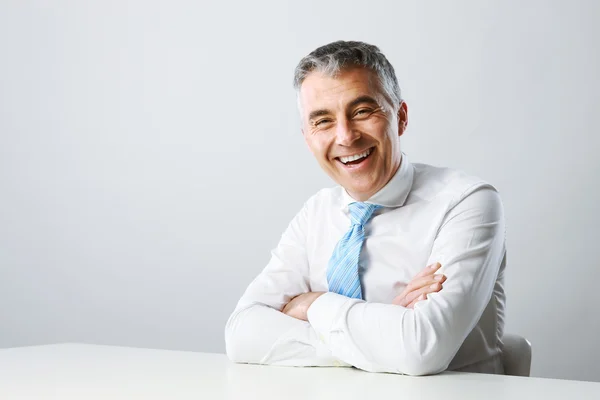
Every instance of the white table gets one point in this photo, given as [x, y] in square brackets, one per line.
[81, 371]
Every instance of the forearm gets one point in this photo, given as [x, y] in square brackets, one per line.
[259, 334]
[383, 337]
[257, 331]
[423, 340]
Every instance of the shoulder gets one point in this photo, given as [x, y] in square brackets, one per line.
[432, 183]
[324, 199]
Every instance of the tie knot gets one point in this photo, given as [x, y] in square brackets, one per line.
[360, 213]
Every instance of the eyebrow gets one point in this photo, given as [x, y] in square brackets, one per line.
[363, 99]
[359, 100]
[318, 113]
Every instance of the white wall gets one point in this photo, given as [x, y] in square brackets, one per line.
[150, 156]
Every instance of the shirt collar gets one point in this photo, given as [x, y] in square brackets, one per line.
[394, 193]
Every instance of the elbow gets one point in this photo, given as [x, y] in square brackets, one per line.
[409, 360]
[235, 352]
[233, 349]
[427, 350]
[238, 346]
[426, 357]
[422, 366]
[240, 351]
[428, 353]
[409, 363]
[234, 345]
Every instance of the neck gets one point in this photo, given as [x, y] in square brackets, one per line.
[364, 196]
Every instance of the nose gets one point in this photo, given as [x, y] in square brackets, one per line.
[345, 133]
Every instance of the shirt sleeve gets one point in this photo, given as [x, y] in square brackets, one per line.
[376, 337]
[258, 332]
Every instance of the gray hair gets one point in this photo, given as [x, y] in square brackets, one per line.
[334, 57]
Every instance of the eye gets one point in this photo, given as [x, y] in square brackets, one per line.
[362, 112]
[322, 122]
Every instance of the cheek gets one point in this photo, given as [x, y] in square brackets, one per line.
[319, 146]
[376, 126]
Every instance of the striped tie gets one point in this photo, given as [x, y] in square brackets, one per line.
[342, 272]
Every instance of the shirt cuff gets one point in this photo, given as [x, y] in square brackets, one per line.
[325, 311]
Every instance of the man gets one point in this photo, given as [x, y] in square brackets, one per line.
[346, 285]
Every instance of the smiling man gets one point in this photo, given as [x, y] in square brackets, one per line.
[399, 268]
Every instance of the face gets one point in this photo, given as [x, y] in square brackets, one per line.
[352, 129]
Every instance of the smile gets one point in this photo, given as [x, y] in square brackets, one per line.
[356, 158]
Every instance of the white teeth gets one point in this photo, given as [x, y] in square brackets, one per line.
[355, 157]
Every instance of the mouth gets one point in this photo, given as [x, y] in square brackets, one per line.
[356, 159]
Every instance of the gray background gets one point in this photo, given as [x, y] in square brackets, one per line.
[150, 156]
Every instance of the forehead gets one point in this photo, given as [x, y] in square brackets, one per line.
[323, 91]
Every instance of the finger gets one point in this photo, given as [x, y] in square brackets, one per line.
[414, 286]
[399, 300]
[406, 298]
[435, 287]
[418, 283]
[423, 278]
[418, 299]
[429, 270]
[290, 304]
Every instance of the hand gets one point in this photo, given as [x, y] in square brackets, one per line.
[298, 306]
[421, 285]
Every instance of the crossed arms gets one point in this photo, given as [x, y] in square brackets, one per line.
[279, 321]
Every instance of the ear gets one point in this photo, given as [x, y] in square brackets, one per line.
[402, 118]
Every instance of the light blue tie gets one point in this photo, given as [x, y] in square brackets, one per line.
[342, 272]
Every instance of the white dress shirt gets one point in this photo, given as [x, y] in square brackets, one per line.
[430, 215]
